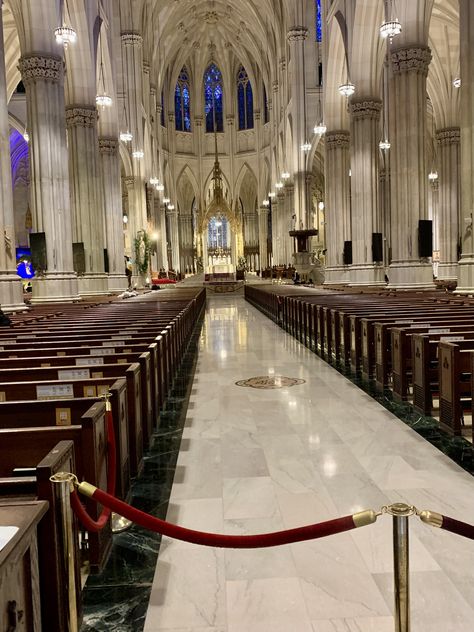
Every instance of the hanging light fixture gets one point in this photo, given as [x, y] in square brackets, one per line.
[285, 175]
[391, 27]
[64, 34]
[306, 146]
[320, 128]
[126, 137]
[279, 185]
[166, 200]
[125, 219]
[26, 136]
[154, 181]
[384, 144]
[457, 82]
[160, 187]
[265, 203]
[102, 99]
[138, 153]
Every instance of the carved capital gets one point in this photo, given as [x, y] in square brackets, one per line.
[275, 86]
[283, 64]
[81, 116]
[289, 190]
[263, 211]
[257, 115]
[366, 109]
[449, 136]
[129, 181]
[131, 38]
[152, 90]
[37, 67]
[198, 121]
[230, 119]
[108, 146]
[146, 67]
[411, 60]
[339, 139]
[159, 108]
[297, 33]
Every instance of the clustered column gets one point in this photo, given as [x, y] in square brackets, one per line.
[365, 117]
[110, 169]
[263, 236]
[11, 291]
[338, 214]
[174, 237]
[43, 76]
[409, 180]
[86, 195]
[449, 202]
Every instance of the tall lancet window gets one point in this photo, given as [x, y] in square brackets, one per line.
[319, 22]
[245, 99]
[213, 98]
[266, 113]
[182, 102]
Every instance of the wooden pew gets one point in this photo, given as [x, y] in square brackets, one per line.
[52, 564]
[455, 384]
[90, 447]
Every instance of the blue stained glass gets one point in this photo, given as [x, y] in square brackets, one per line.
[319, 22]
[213, 97]
[241, 100]
[178, 109]
[182, 102]
[249, 94]
[186, 108]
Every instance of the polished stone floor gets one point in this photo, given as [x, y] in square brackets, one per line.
[255, 460]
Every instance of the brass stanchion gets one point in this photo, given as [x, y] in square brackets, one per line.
[66, 482]
[401, 567]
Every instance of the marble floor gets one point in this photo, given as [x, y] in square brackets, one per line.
[261, 460]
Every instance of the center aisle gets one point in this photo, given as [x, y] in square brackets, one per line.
[255, 460]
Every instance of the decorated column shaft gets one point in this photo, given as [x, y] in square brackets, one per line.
[409, 175]
[263, 236]
[43, 76]
[338, 211]
[365, 117]
[174, 238]
[86, 195]
[466, 263]
[449, 156]
[111, 180]
[11, 291]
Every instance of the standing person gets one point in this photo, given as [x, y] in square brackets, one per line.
[128, 271]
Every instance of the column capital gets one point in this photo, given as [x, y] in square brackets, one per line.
[40, 66]
[257, 115]
[130, 181]
[283, 64]
[230, 119]
[131, 38]
[365, 109]
[171, 117]
[413, 59]
[289, 190]
[297, 33]
[198, 120]
[108, 146]
[275, 86]
[146, 67]
[152, 90]
[81, 116]
[448, 136]
[337, 139]
[263, 211]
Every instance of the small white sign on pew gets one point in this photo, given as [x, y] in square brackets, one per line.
[451, 338]
[439, 331]
[74, 374]
[120, 337]
[114, 342]
[415, 325]
[89, 361]
[55, 391]
[102, 351]
[7, 342]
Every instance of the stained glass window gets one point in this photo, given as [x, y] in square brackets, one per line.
[213, 99]
[182, 102]
[218, 232]
[162, 109]
[319, 22]
[244, 99]
[266, 116]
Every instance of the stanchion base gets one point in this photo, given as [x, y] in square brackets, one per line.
[119, 523]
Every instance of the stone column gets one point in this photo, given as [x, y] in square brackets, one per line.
[262, 236]
[338, 210]
[409, 175]
[288, 242]
[43, 76]
[449, 150]
[174, 238]
[296, 37]
[86, 196]
[466, 263]
[365, 132]
[159, 231]
[11, 290]
[276, 239]
[111, 181]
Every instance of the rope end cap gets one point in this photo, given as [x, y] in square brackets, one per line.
[432, 518]
[87, 489]
[364, 518]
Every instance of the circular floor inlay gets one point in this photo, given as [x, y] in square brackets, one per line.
[270, 381]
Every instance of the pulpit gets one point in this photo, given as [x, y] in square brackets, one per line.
[307, 268]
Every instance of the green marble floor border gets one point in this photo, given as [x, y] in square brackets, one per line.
[117, 599]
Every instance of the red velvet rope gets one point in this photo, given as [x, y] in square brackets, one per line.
[87, 522]
[310, 532]
[458, 527]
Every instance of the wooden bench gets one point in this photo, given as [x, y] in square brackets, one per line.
[90, 447]
[37, 485]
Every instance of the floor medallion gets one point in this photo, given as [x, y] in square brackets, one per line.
[270, 381]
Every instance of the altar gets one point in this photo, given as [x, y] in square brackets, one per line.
[222, 268]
